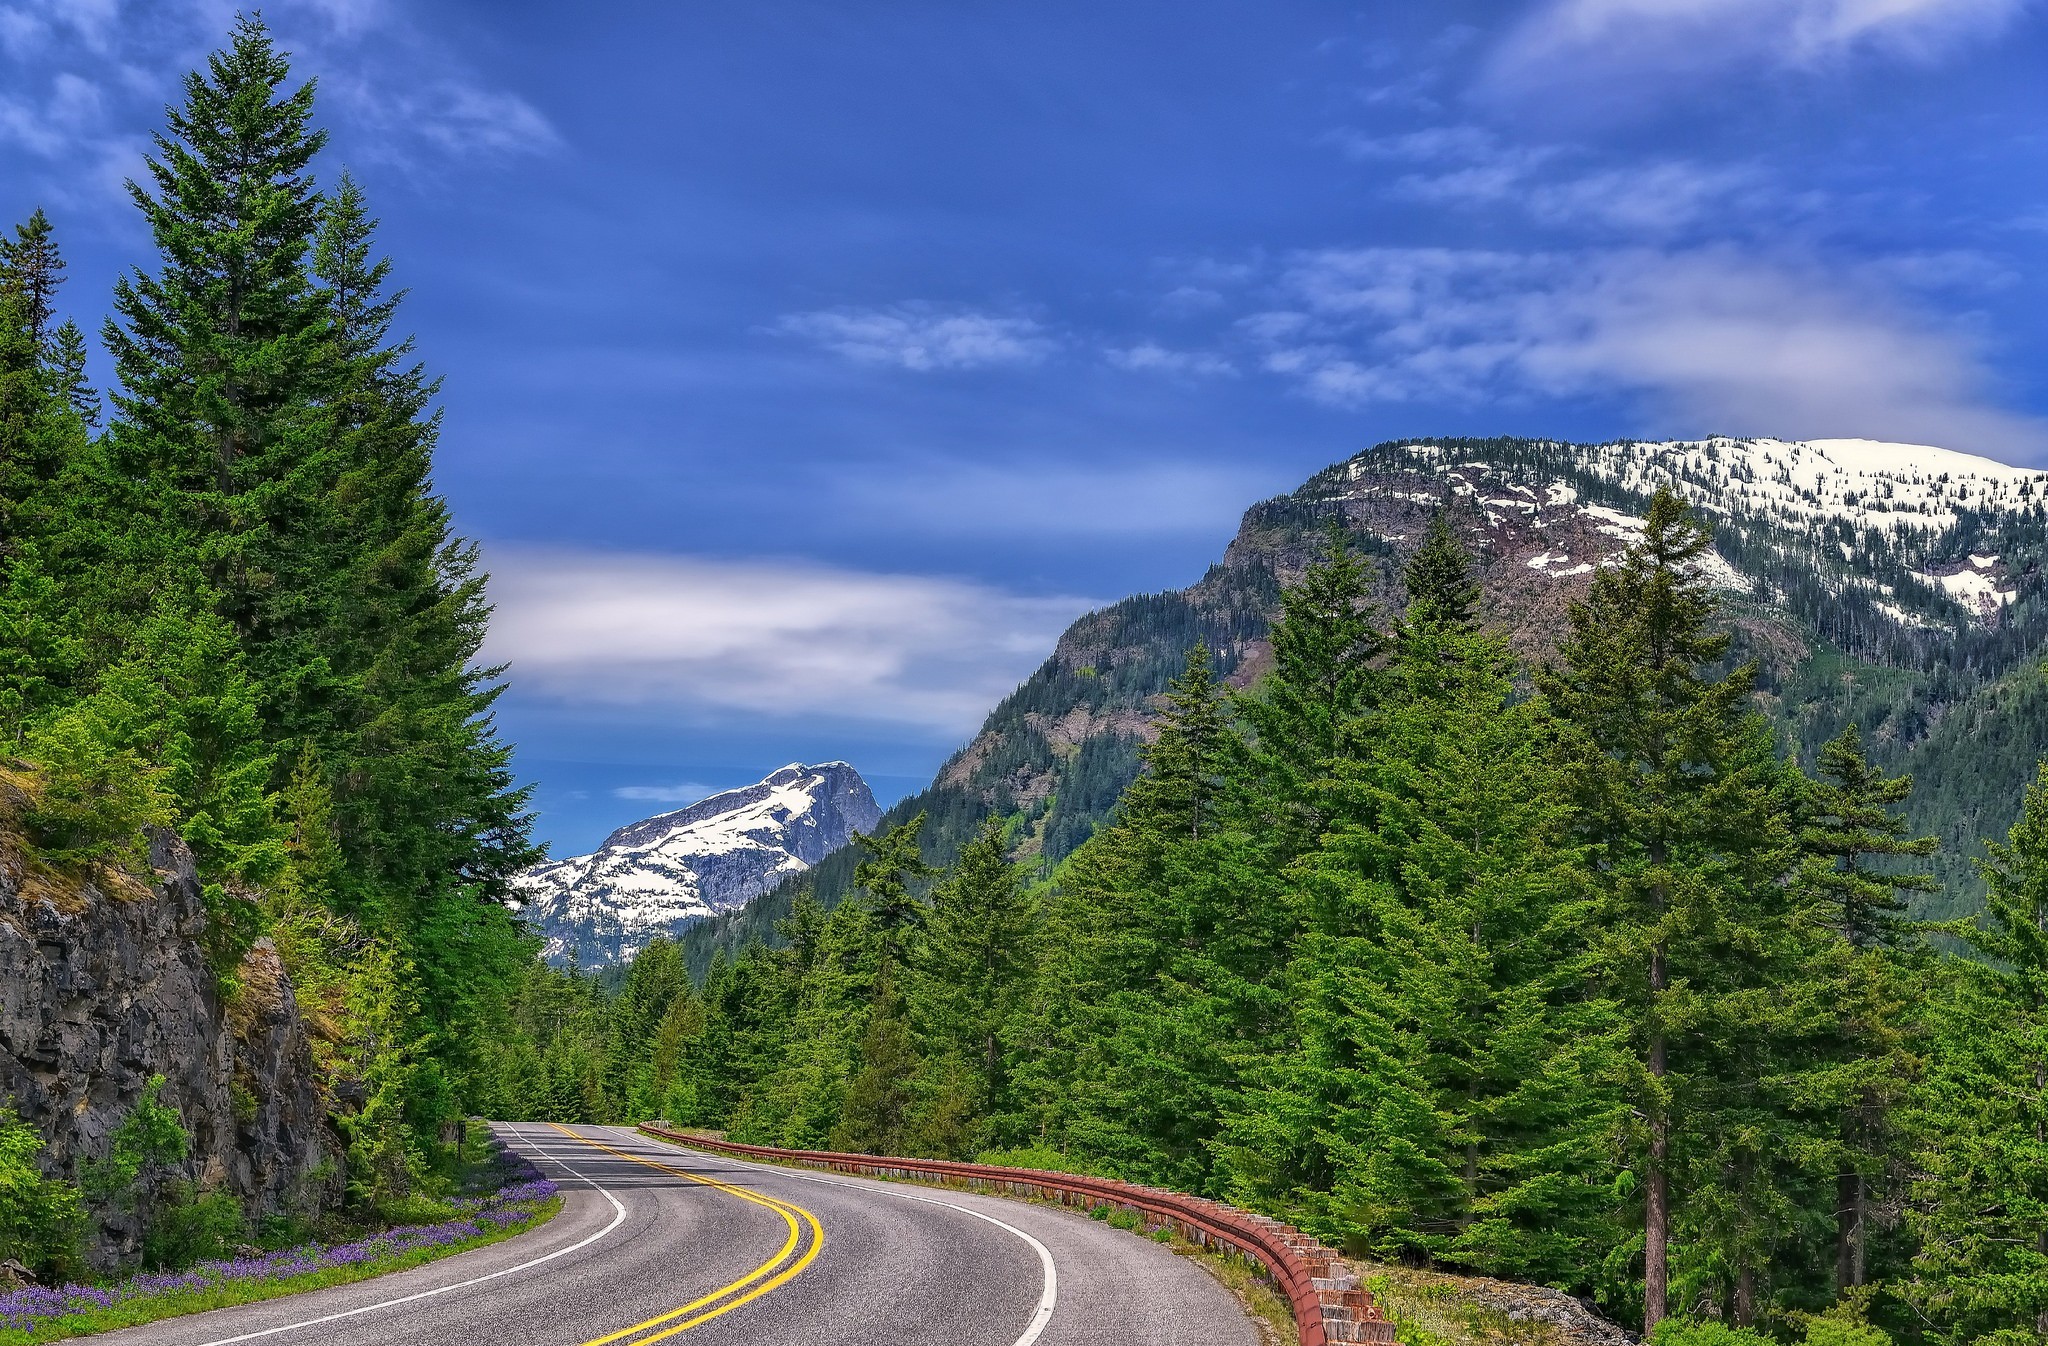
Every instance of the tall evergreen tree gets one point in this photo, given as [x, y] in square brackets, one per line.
[218, 353]
[68, 365]
[1441, 591]
[1855, 844]
[1324, 646]
[974, 965]
[34, 266]
[892, 863]
[1679, 802]
[38, 432]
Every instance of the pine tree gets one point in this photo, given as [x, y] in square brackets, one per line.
[1441, 590]
[428, 813]
[1981, 1213]
[973, 967]
[893, 863]
[1323, 678]
[32, 263]
[68, 365]
[1869, 1061]
[218, 354]
[1445, 1097]
[1851, 822]
[1679, 802]
[37, 432]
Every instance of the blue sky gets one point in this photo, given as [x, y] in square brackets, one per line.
[809, 366]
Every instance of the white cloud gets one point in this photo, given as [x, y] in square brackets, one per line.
[1151, 357]
[922, 337]
[59, 123]
[460, 120]
[1471, 166]
[1718, 339]
[689, 792]
[1647, 39]
[85, 77]
[702, 637]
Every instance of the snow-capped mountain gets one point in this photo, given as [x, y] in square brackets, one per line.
[1909, 531]
[658, 876]
[1903, 587]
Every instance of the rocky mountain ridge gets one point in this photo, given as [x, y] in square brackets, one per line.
[660, 875]
[1900, 586]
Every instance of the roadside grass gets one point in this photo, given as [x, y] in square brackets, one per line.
[1428, 1309]
[522, 1200]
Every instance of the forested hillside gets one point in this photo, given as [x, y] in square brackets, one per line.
[1569, 973]
[1847, 569]
[232, 609]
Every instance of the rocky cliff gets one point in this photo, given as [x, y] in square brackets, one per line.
[104, 982]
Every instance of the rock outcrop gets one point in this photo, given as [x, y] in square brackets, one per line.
[104, 983]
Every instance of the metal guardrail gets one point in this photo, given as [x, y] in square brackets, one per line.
[1329, 1304]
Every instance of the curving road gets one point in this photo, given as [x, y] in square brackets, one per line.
[659, 1243]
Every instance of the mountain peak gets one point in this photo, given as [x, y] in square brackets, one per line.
[659, 875]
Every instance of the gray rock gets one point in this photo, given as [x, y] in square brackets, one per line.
[104, 983]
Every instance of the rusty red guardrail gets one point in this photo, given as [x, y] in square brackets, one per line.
[1330, 1306]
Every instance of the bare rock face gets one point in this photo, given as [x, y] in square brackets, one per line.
[105, 983]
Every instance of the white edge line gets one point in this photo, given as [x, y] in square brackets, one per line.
[618, 1214]
[1046, 1299]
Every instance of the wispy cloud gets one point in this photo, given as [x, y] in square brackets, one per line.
[460, 121]
[1648, 40]
[1149, 357]
[85, 77]
[1713, 337]
[693, 636]
[689, 792]
[923, 337]
[1469, 166]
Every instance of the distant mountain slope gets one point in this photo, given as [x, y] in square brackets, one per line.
[658, 876]
[1897, 585]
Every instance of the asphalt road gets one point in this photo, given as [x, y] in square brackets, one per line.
[660, 1243]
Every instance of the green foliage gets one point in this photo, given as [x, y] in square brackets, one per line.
[1707, 1332]
[42, 1219]
[144, 1153]
[241, 614]
[1834, 1331]
[192, 1226]
[142, 1173]
[1981, 1198]
[1594, 987]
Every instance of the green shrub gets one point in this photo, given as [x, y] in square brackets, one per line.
[1693, 1332]
[1040, 1157]
[93, 796]
[192, 1226]
[1841, 1332]
[42, 1220]
[141, 1164]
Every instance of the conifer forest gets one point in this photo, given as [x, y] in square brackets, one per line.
[1575, 972]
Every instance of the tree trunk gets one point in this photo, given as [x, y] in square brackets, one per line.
[1657, 1197]
[1849, 1206]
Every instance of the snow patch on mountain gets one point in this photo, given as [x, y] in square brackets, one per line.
[1880, 508]
[657, 876]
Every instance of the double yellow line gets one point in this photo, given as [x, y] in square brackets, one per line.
[777, 1270]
